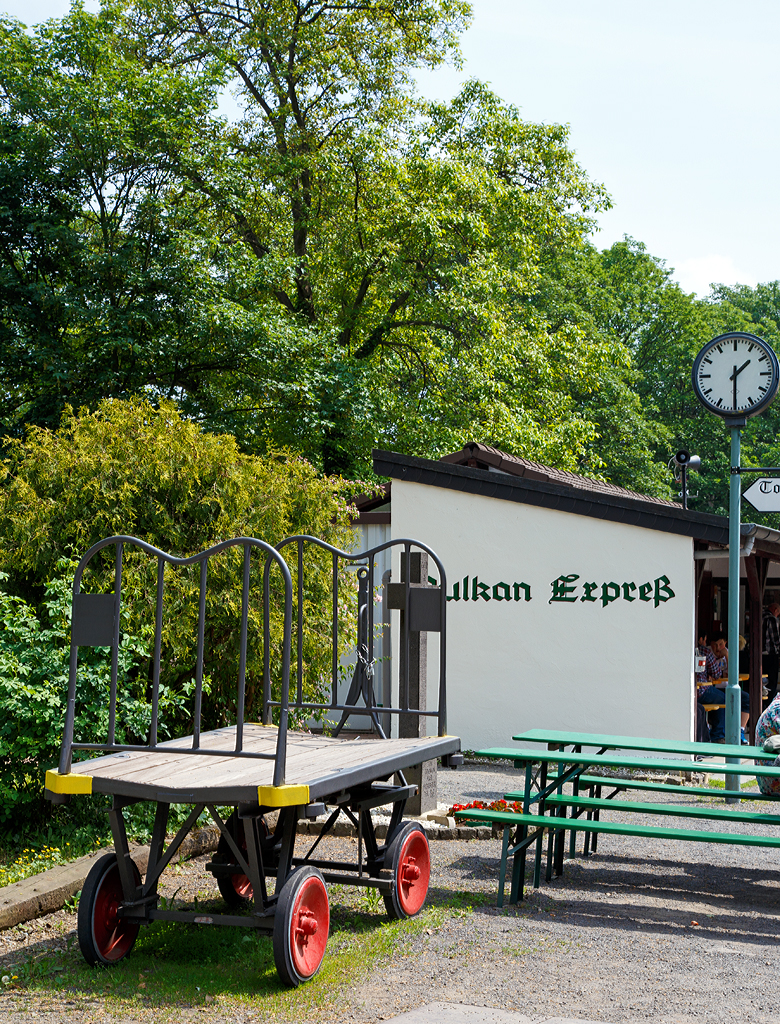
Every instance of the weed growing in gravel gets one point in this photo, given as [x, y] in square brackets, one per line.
[720, 784]
[545, 945]
[372, 900]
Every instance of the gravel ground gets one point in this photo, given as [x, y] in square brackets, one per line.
[646, 930]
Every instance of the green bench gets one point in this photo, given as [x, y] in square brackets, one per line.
[671, 810]
[620, 785]
[557, 827]
[572, 766]
[596, 782]
[561, 738]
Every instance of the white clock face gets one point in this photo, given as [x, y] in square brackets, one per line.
[736, 375]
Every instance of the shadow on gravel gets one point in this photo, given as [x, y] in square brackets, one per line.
[624, 916]
[476, 868]
[627, 893]
[757, 888]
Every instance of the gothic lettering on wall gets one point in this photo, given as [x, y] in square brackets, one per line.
[477, 590]
[566, 589]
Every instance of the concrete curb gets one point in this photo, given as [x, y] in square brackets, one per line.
[347, 829]
[49, 891]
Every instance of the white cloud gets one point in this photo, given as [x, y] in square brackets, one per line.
[699, 272]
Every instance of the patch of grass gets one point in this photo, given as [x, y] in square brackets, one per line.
[721, 784]
[467, 900]
[174, 966]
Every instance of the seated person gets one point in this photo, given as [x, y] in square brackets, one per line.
[769, 725]
[718, 668]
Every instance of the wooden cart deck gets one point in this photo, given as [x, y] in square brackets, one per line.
[320, 765]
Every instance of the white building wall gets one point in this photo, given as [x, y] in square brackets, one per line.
[624, 668]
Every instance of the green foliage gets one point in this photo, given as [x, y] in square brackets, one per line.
[344, 266]
[107, 282]
[632, 295]
[33, 693]
[130, 468]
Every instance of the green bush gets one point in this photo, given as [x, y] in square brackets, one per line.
[132, 468]
[34, 661]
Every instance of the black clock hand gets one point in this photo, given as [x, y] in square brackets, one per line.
[738, 371]
[734, 376]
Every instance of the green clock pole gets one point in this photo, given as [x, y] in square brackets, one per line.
[733, 693]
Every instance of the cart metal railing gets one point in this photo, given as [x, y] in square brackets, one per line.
[96, 622]
[425, 609]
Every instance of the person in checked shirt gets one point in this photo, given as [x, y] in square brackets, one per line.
[718, 669]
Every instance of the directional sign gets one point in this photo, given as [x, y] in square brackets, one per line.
[764, 494]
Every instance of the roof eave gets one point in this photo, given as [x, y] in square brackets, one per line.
[613, 508]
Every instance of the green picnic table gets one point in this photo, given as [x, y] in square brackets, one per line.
[558, 737]
[572, 767]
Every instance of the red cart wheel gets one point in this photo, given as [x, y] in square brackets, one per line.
[409, 858]
[237, 890]
[301, 926]
[104, 936]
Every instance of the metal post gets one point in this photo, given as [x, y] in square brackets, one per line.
[387, 693]
[414, 669]
[684, 475]
[733, 693]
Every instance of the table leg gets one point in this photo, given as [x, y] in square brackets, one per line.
[575, 790]
[540, 840]
[560, 845]
[596, 816]
[502, 868]
[518, 873]
[518, 860]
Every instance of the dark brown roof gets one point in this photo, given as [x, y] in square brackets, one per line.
[612, 504]
[483, 456]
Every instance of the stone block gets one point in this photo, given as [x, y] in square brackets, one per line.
[424, 777]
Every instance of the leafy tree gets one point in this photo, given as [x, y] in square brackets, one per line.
[109, 284]
[608, 297]
[338, 269]
[393, 232]
[628, 296]
[343, 266]
[132, 468]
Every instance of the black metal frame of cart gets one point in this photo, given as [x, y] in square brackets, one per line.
[249, 853]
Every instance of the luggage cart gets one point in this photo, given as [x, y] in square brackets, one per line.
[257, 768]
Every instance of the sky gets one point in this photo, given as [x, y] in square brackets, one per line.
[672, 105]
